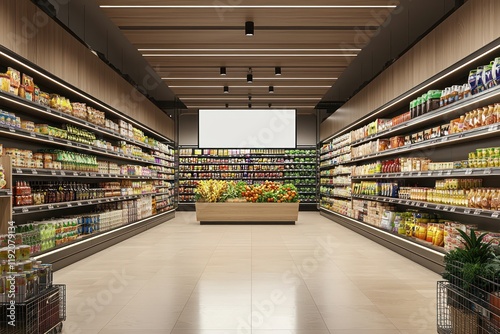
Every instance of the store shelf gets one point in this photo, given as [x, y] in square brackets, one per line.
[490, 96]
[336, 184]
[21, 104]
[494, 171]
[336, 196]
[479, 133]
[230, 163]
[433, 206]
[5, 192]
[29, 209]
[74, 174]
[45, 139]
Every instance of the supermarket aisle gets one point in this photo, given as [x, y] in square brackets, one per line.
[313, 278]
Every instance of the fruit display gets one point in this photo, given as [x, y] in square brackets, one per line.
[223, 191]
[271, 192]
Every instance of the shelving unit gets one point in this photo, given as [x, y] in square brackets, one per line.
[252, 166]
[343, 152]
[136, 160]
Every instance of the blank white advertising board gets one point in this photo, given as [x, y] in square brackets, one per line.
[247, 128]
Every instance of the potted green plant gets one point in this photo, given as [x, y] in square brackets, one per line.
[468, 269]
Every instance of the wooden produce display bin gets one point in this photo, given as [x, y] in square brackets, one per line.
[247, 212]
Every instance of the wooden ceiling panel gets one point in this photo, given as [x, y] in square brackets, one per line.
[187, 46]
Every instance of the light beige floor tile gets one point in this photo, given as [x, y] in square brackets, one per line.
[208, 331]
[133, 317]
[214, 317]
[356, 317]
[367, 331]
[291, 331]
[133, 331]
[298, 317]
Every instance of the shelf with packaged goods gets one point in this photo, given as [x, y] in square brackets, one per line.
[75, 174]
[452, 139]
[231, 163]
[336, 196]
[249, 155]
[433, 206]
[467, 172]
[449, 112]
[437, 250]
[21, 104]
[5, 192]
[30, 209]
[46, 139]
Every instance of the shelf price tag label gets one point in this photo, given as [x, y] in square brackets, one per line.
[53, 173]
[477, 212]
[467, 211]
[444, 139]
[468, 171]
[446, 208]
[487, 171]
[50, 206]
[70, 205]
[440, 173]
[495, 214]
[452, 209]
[429, 173]
[51, 138]
[438, 207]
[25, 210]
[448, 173]
[12, 130]
[69, 143]
[63, 173]
[32, 134]
[426, 205]
[34, 172]
[19, 171]
[75, 174]
[493, 128]
[79, 203]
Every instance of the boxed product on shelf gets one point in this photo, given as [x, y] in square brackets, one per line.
[397, 141]
[15, 80]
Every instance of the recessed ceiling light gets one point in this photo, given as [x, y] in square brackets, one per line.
[249, 28]
[277, 71]
[222, 71]
[226, 89]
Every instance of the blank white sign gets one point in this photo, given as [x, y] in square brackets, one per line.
[247, 128]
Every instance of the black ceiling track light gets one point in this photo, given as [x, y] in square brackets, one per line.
[249, 75]
[227, 105]
[250, 105]
[271, 89]
[249, 28]
[226, 89]
[223, 71]
[277, 71]
[270, 105]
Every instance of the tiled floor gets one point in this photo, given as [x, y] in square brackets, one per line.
[312, 278]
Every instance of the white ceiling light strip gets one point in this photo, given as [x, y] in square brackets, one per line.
[246, 98]
[247, 55]
[253, 50]
[248, 6]
[220, 87]
[273, 78]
